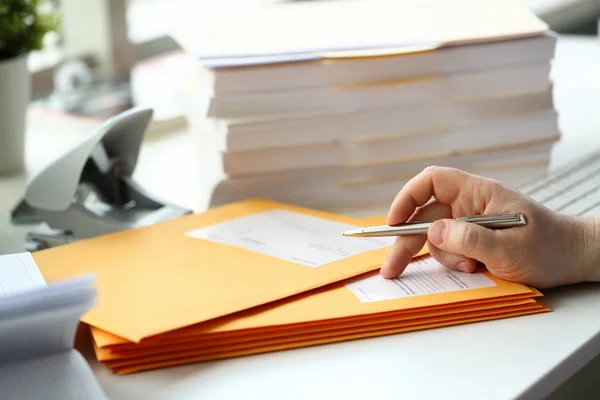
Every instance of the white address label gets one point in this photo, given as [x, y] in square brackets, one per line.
[422, 277]
[291, 236]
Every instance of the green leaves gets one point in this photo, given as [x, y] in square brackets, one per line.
[23, 25]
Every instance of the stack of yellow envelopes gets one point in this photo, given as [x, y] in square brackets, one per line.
[260, 276]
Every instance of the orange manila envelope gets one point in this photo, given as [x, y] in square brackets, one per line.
[187, 337]
[116, 344]
[143, 358]
[199, 267]
[106, 339]
[203, 345]
[424, 284]
[125, 352]
[311, 341]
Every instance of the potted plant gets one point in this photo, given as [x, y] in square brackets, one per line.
[23, 26]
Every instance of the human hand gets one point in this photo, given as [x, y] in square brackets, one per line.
[552, 249]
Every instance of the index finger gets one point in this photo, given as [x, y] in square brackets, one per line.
[448, 186]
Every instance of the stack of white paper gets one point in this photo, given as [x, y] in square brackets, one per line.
[37, 331]
[352, 98]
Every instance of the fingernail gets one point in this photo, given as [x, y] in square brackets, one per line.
[462, 266]
[437, 232]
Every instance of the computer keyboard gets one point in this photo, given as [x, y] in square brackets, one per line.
[573, 189]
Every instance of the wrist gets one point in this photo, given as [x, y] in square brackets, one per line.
[590, 249]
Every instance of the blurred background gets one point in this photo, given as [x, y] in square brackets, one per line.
[108, 53]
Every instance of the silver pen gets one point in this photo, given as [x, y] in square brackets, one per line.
[492, 221]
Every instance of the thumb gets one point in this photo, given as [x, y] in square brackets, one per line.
[468, 239]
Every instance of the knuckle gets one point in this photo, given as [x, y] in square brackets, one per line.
[430, 170]
[483, 191]
[495, 186]
[433, 170]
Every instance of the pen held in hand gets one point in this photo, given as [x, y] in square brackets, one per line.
[492, 221]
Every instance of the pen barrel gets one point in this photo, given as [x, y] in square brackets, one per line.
[496, 221]
[498, 224]
[418, 228]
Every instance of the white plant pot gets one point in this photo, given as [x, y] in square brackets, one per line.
[14, 99]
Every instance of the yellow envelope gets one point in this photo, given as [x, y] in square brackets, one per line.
[307, 311]
[339, 302]
[243, 340]
[125, 368]
[105, 339]
[176, 273]
[335, 305]
[171, 354]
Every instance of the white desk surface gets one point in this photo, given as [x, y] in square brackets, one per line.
[525, 357]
